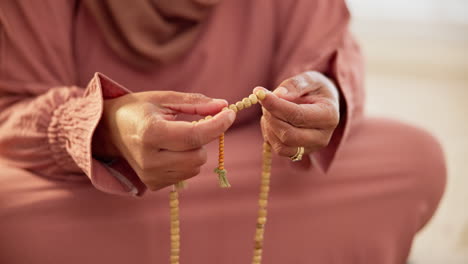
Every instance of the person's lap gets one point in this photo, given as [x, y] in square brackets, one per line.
[382, 187]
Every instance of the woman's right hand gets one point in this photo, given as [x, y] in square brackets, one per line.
[141, 128]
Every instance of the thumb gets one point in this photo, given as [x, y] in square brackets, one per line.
[190, 103]
[298, 86]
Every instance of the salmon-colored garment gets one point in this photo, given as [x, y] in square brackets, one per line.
[368, 193]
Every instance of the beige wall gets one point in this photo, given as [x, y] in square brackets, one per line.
[418, 72]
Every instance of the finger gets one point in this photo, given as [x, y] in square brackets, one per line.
[165, 159]
[301, 87]
[210, 108]
[294, 136]
[172, 160]
[318, 141]
[188, 103]
[317, 115]
[276, 145]
[166, 178]
[181, 136]
[281, 149]
[169, 167]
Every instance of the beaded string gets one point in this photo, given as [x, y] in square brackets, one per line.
[224, 183]
[175, 226]
[262, 204]
[220, 170]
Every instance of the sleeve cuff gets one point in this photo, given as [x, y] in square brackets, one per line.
[70, 135]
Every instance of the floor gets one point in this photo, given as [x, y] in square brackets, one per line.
[423, 79]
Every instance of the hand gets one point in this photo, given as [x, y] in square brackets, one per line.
[302, 112]
[142, 128]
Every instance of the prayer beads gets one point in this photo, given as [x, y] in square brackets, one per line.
[175, 226]
[246, 102]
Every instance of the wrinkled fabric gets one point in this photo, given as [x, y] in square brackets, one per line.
[145, 33]
[367, 194]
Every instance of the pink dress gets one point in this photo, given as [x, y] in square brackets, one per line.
[367, 194]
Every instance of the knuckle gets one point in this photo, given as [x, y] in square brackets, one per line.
[172, 177]
[145, 132]
[191, 173]
[321, 144]
[332, 117]
[312, 75]
[194, 139]
[294, 82]
[278, 148]
[195, 97]
[151, 182]
[323, 141]
[287, 136]
[195, 171]
[296, 117]
[199, 158]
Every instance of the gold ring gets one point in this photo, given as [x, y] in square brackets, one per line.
[298, 155]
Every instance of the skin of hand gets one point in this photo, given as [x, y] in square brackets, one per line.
[301, 111]
[142, 128]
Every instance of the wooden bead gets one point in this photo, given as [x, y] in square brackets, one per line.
[175, 244]
[175, 238]
[246, 102]
[257, 259]
[240, 105]
[233, 107]
[175, 214]
[264, 188]
[263, 195]
[262, 203]
[266, 162]
[258, 252]
[175, 231]
[175, 224]
[259, 231]
[253, 99]
[258, 244]
[262, 212]
[174, 203]
[174, 258]
[259, 237]
[173, 195]
[262, 220]
[260, 94]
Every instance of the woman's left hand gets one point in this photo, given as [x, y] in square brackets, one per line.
[302, 112]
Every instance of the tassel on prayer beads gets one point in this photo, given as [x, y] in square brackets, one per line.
[243, 104]
[220, 170]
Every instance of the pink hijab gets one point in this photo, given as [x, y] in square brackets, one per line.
[149, 32]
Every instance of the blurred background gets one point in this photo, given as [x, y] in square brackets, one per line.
[417, 70]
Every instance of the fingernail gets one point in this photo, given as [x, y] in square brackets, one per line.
[220, 100]
[231, 116]
[280, 90]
